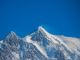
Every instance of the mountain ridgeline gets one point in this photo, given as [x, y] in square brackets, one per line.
[40, 45]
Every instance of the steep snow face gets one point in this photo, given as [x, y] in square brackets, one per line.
[54, 45]
[28, 39]
[52, 38]
[39, 45]
[15, 48]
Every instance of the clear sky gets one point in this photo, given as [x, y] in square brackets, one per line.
[24, 16]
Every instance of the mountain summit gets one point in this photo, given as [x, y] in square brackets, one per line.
[41, 29]
[39, 45]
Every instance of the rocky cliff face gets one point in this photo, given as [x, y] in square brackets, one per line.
[39, 45]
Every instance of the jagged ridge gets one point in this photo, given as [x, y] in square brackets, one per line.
[39, 45]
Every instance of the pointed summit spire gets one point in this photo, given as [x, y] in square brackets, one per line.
[11, 34]
[42, 30]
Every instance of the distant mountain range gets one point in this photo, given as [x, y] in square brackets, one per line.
[40, 45]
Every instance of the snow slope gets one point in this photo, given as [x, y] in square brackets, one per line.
[40, 45]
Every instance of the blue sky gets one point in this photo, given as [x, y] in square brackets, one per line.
[24, 16]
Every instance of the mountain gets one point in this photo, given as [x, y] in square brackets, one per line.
[40, 45]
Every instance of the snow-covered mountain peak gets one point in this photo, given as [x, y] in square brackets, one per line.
[11, 35]
[42, 30]
[39, 45]
[12, 32]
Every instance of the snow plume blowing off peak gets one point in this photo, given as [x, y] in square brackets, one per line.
[39, 45]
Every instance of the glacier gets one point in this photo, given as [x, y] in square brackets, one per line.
[39, 45]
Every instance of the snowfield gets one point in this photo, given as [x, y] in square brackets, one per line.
[40, 45]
